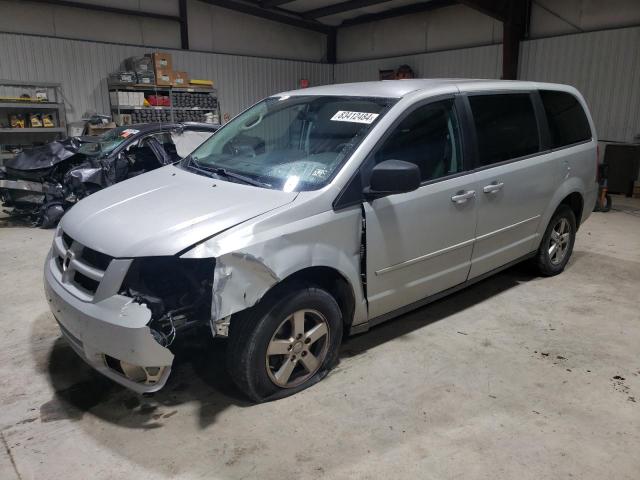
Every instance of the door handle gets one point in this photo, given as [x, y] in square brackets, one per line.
[463, 196]
[493, 188]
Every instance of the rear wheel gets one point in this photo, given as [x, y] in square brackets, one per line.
[285, 344]
[557, 243]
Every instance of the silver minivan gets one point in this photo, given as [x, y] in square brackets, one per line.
[319, 213]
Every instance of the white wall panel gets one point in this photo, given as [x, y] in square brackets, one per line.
[216, 29]
[446, 28]
[211, 29]
[477, 62]
[22, 17]
[557, 17]
[82, 68]
[604, 66]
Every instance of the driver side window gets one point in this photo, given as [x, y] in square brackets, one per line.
[429, 137]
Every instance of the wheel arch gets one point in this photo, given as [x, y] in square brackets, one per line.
[327, 278]
[575, 201]
[570, 193]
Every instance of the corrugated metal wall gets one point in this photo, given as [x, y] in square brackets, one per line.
[604, 66]
[477, 62]
[82, 68]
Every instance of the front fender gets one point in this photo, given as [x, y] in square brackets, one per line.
[245, 274]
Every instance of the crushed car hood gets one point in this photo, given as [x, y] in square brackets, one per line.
[164, 212]
[45, 156]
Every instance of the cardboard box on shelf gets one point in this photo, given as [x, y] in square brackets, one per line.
[180, 79]
[121, 98]
[164, 78]
[161, 61]
[100, 129]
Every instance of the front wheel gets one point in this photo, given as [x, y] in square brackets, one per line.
[285, 344]
[557, 243]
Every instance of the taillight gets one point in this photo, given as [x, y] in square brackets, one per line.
[598, 164]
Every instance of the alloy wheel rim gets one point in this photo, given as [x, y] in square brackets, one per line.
[559, 241]
[298, 348]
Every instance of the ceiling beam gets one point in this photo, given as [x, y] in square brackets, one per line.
[515, 16]
[332, 46]
[397, 12]
[271, 14]
[497, 9]
[107, 9]
[340, 8]
[514, 29]
[273, 3]
[184, 24]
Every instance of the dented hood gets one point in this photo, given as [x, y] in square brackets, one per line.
[164, 212]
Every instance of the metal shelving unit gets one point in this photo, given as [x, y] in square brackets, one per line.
[25, 137]
[173, 111]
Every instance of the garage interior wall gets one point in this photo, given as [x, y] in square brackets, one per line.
[593, 45]
[211, 29]
[449, 42]
[82, 69]
[603, 65]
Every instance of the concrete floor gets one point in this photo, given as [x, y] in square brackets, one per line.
[516, 377]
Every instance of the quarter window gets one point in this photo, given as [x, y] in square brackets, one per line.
[429, 137]
[568, 123]
[506, 126]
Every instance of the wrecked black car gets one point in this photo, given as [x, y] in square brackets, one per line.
[43, 182]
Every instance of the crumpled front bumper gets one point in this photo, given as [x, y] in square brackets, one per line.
[22, 191]
[111, 335]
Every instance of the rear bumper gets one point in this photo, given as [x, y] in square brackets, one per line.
[112, 336]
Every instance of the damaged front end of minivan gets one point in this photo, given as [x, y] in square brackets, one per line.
[123, 315]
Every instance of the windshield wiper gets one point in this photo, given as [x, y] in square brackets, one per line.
[221, 172]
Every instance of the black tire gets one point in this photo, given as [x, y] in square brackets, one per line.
[545, 264]
[252, 331]
[51, 216]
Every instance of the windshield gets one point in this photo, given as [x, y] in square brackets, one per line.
[107, 142]
[289, 143]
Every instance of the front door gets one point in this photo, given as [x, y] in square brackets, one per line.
[420, 243]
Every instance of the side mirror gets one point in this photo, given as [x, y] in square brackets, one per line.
[391, 177]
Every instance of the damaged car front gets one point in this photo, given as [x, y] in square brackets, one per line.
[122, 315]
[210, 239]
[117, 279]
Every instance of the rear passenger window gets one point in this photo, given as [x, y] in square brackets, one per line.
[568, 123]
[506, 126]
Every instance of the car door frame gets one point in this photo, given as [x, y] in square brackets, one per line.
[544, 139]
[351, 194]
